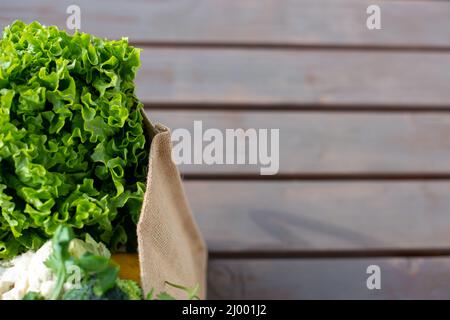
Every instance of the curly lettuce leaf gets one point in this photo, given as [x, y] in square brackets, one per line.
[73, 150]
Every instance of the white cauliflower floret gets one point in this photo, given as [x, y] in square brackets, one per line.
[39, 273]
[13, 284]
[46, 288]
[28, 274]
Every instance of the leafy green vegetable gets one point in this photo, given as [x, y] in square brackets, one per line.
[191, 292]
[33, 296]
[78, 247]
[87, 291]
[130, 288]
[100, 272]
[60, 260]
[164, 296]
[72, 145]
[98, 275]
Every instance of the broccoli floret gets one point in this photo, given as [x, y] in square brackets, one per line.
[33, 296]
[86, 292]
[83, 293]
[130, 288]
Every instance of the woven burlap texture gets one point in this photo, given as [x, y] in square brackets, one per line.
[170, 245]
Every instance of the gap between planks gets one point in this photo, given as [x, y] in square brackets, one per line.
[273, 107]
[349, 177]
[286, 46]
[329, 254]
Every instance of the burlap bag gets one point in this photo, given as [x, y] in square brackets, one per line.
[169, 243]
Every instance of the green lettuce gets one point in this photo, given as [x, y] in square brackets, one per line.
[73, 150]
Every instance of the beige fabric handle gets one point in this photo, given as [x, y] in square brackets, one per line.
[169, 243]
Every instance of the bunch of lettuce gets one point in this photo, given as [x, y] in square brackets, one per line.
[73, 150]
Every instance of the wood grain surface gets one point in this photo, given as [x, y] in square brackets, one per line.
[415, 24]
[290, 216]
[324, 143]
[401, 278]
[364, 124]
[270, 78]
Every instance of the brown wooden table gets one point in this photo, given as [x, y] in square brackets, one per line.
[364, 135]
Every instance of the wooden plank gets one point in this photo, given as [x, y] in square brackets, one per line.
[290, 22]
[401, 278]
[259, 78]
[245, 216]
[321, 142]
